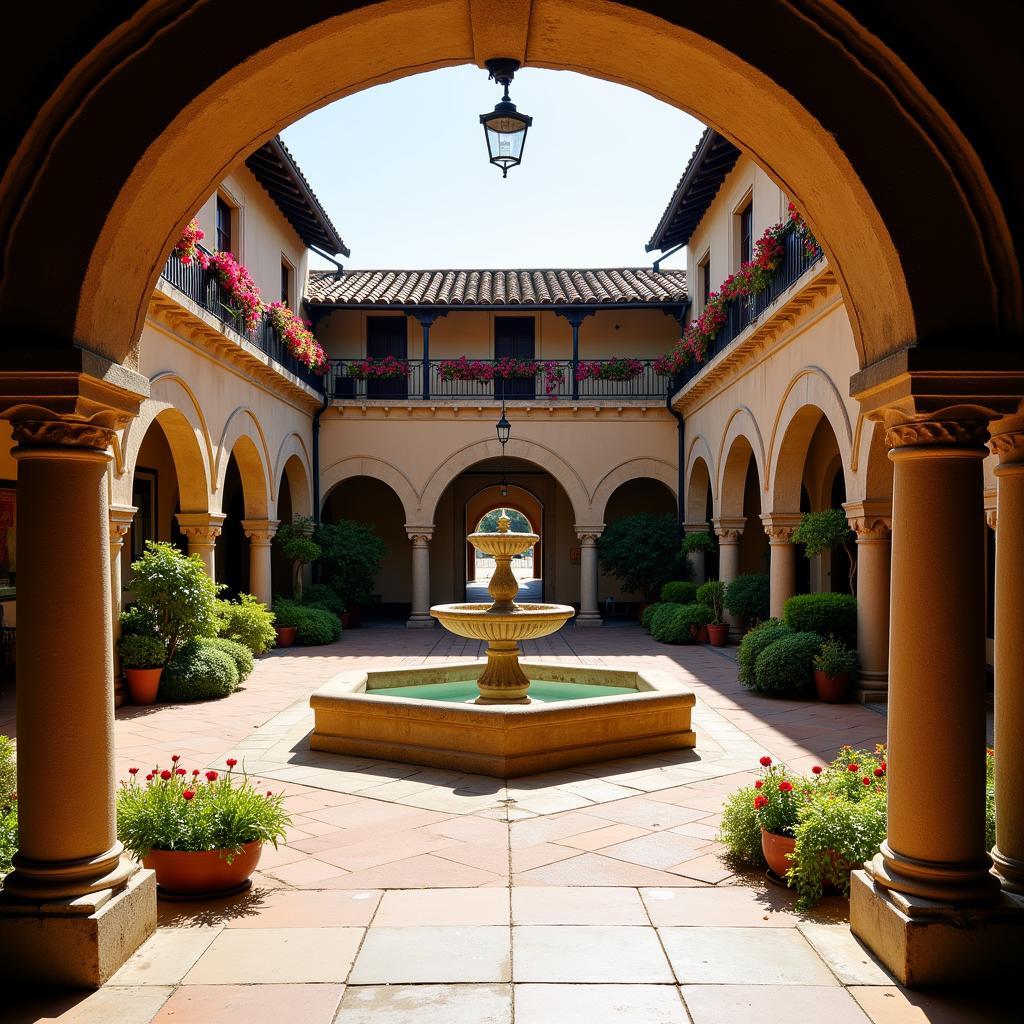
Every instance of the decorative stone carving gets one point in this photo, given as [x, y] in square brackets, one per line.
[869, 520]
[67, 433]
[1009, 446]
[937, 432]
[121, 518]
[259, 531]
[420, 538]
[780, 526]
[201, 528]
[587, 539]
[729, 530]
[990, 517]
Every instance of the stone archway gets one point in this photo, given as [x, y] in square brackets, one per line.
[511, 496]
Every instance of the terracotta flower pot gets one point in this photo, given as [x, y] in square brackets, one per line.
[718, 635]
[143, 684]
[703, 637]
[776, 850]
[285, 635]
[204, 873]
[832, 689]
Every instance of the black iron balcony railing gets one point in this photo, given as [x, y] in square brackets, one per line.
[203, 288]
[744, 310]
[554, 379]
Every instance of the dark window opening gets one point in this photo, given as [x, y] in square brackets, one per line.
[223, 226]
[705, 282]
[514, 339]
[286, 283]
[747, 233]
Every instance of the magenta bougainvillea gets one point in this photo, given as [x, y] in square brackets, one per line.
[187, 248]
[620, 368]
[386, 368]
[244, 301]
[506, 368]
[298, 337]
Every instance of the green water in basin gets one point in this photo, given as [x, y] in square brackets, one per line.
[541, 690]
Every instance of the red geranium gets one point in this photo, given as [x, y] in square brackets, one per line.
[760, 801]
[188, 794]
[785, 786]
[211, 776]
[165, 775]
[765, 761]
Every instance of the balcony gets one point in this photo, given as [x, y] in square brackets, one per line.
[426, 380]
[744, 311]
[203, 288]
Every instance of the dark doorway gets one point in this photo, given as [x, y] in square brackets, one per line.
[514, 339]
[386, 336]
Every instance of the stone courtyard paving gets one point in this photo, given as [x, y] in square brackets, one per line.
[409, 895]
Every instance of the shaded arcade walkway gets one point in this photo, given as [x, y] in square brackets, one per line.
[419, 896]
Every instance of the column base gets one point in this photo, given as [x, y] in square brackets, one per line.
[76, 943]
[120, 691]
[873, 688]
[1010, 872]
[420, 622]
[588, 619]
[924, 943]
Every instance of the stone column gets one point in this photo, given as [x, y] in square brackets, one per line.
[74, 907]
[871, 521]
[782, 567]
[1008, 854]
[729, 530]
[261, 535]
[589, 615]
[696, 558]
[121, 517]
[420, 617]
[202, 530]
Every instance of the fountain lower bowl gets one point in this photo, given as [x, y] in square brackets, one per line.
[355, 715]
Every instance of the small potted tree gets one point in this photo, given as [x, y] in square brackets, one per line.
[712, 594]
[834, 666]
[201, 832]
[142, 658]
[822, 531]
[352, 555]
[296, 541]
[642, 552]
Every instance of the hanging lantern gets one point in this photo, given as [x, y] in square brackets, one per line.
[504, 127]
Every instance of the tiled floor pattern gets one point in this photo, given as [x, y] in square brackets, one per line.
[592, 895]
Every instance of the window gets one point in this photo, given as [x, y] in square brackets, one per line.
[704, 280]
[224, 212]
[286, 283]
[747, 233]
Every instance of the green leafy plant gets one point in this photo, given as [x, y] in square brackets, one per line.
[712, 595]
[246, 621]
[828, 614]
[192, 811]
[642, 552]
[696, 543]
[835, 659]
[176, 592]
[138, 621]
[8, 771]
[747, 598]
[238, 653]
[779, 795]
[198, 672]
[679, 625]
[990, 799]
[659, 621]
[319, 595]
[753, 643]
[351, 559]
[679, 592]
[648, 614]
[785, 668]
[8, 805]
[740, 829]
[315, 626]
[137, 650]
[824, 530]
[296, 542]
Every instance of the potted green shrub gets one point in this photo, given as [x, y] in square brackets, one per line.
[351, 559]
[834, 665]
[248, 621]
[747, 598]
[201, 832]
[142, 658]
[296, 542]
[712, 594]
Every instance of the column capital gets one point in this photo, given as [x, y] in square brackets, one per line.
[1008, 446]
[260, 531]
[121, 517]
[420, 536]
[928, 432]
[870, 519]
[201, 527]
[991, 517]
[729, 528]
[780, 526]
[587, 535]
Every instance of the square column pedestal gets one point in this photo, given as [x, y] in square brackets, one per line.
[77, 943]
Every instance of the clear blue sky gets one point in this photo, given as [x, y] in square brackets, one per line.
[402, 171]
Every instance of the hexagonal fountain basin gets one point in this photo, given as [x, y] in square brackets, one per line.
[634, 712]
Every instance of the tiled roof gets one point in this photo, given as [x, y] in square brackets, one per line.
[276, 170]
[615, 285]
[712, 160]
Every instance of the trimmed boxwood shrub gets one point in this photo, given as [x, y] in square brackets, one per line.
[679, 592]
[248, 622]
[827, 614]
[319, 595]
[238, 653]
[754, 642]
[198, 671]
[647, 614]
[747, 597]
[676, 626]
[315, 625]
[785, 668]
[659, 620]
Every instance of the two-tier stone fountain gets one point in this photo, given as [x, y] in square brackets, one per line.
[498, 715]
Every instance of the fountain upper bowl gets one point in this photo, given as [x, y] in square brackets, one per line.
[503, 545]
[524, 622]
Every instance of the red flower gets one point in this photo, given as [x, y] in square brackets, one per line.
[187, 794]
[879, 772]
[175, 758]
[165, 775]
[211, 776]
[853, 767]
[195, 773]
[149, 777]
[231, 762]
[759, 802]
[766, 761]
[866, 780]
[270, 792]
[179, 771]
[785, 786]
[759, 784]
[885, 767]
[133, 771]
[816, 769]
